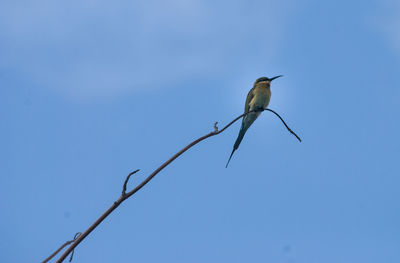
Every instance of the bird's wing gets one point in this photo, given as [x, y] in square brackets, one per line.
[248, 99]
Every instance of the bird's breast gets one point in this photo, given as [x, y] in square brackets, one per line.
[261, 98]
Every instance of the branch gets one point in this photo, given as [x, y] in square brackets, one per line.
[127, 180]
[287, 127]
[61, 248]
[125, 195]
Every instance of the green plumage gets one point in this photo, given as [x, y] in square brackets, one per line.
[257, 99]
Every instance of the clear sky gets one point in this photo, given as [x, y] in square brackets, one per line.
[91, 90]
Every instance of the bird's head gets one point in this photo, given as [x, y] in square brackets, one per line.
[267, 80]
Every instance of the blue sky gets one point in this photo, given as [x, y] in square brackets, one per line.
[91, 90]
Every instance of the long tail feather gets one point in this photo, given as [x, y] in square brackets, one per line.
[237, 143]
[226, 166]
[246, 123]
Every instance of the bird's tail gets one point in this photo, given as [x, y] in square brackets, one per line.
[246, 123]
[239, 139]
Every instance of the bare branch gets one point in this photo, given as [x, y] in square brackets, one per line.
[127, 180]
[287, 127]
[125, 195]
[62, 247]
[216, 127]
[73, 251]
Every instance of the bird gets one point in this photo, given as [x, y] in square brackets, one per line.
[257, 100]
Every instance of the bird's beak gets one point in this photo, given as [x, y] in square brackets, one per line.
[271, 79]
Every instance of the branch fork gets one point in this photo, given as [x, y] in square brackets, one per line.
[125, 195]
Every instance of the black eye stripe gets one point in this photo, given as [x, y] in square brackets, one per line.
[262, 79]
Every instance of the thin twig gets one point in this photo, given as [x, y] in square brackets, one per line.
[216, 126]
[61, 248]
[287, 127]
[73, 251]
[125, 195]
[127, 180]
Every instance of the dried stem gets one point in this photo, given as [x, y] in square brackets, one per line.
[61, 248]
[127, 180]
[125, 195]
[287, 127]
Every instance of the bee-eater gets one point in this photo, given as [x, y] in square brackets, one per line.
[257, 99]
